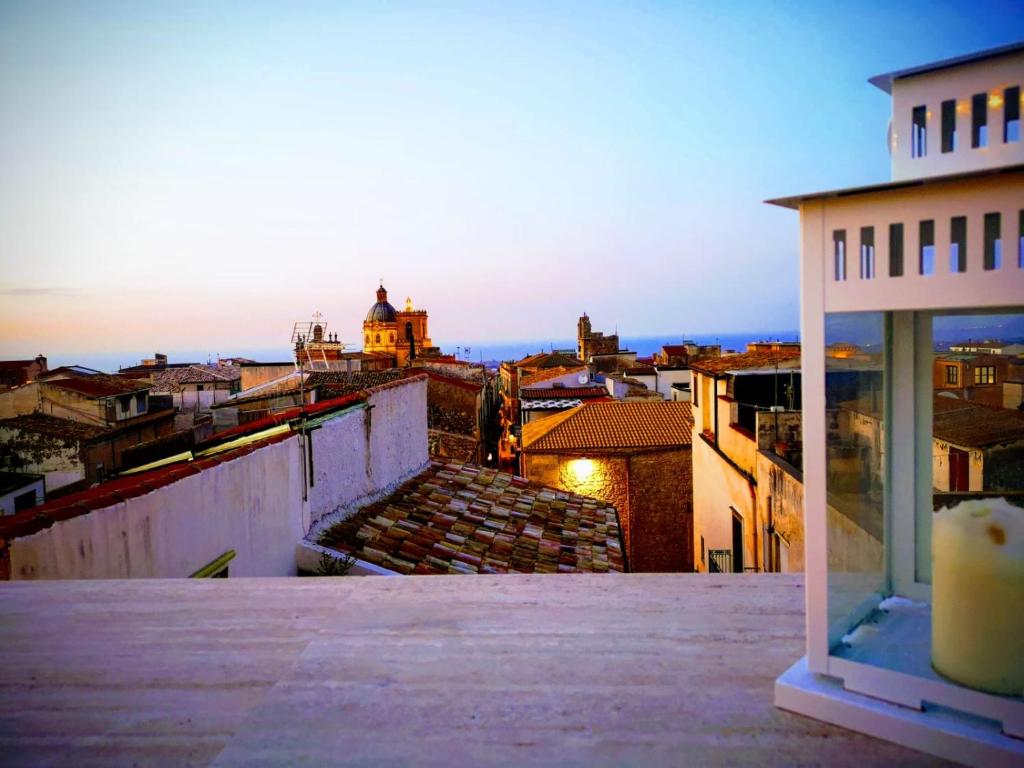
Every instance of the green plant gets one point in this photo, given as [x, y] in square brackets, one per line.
[335, 565]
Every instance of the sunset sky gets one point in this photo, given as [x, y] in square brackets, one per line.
[183, 176]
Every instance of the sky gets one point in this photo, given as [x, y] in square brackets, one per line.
[202, 175]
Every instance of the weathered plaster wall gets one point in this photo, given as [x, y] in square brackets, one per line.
[367, 451]
[717, 490]
[940, 466]
[254, 375]
[668, 376]
[59, 459]
[780, 497]
[18, 401]
[252, 504]
[783, 426]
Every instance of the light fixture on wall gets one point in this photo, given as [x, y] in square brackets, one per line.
[581, 469]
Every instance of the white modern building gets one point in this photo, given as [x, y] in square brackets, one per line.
[927, 649]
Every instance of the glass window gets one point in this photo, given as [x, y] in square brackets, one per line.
[985, 374]
[993, 241]
[926, 256]
[896, 249]
[919, 132]
[855, 466]
[1011, 114]
[140, 402]
[949, 126]
[958, 244]
[839, 253]
[867, 253]
[979, 120]
[952, 374]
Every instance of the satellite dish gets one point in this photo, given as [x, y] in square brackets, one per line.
[583, 378]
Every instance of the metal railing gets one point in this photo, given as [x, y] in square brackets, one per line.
[720, 560]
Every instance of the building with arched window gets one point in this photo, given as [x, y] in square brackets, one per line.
[401, 334]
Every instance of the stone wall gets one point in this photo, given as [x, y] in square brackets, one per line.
[652, 493]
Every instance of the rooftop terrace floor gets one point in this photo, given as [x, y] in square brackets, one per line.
[590, 669]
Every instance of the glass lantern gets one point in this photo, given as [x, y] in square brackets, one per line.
[912, 330]
[915, 571]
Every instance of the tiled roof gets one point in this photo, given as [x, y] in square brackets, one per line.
[461, 518]
[551, 373]
[338, 383]
[675, 350]
[43, 424]
[975, 425]
[641, 370]
[613, 425]
[14, 365]
[578, 392]
[99, 385]
[171, 379]
[547, 360]
[787, 358]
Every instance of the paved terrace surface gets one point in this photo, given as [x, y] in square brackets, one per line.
[577, 670]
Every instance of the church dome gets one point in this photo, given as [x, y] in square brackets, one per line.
[382, 311]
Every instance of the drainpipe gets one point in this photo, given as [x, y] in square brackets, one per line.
[753, 507]
[714, 404]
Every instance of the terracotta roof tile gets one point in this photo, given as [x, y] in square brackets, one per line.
[575, 392]
[975, 425]
[787, 358]
[612, 426]
[461, 518]
[53, 426]
[99, 385]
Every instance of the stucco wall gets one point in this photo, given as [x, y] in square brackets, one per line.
[7, 500]
[668, 376]
[59, 459]
[780, 497]
[18, 401]
[717, 490]
[252, 504]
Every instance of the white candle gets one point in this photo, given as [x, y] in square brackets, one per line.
[978, 595]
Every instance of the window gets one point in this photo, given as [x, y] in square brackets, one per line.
[839, 253]
[702, 549]
[377, 338]
[24, 501]
[1011, 114]
[993, 241]
[140, 402]
[985, 374]
[958, 244]
[979, 120]
[199, 387]
[867, 253]
[124, 405]
[392, 338]
[926, 255]
[949, 126]
[895, 250]
[952, 375]
[367, 338]
[919, 132]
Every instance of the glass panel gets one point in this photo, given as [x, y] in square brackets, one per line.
[977, 529]
[855, 471]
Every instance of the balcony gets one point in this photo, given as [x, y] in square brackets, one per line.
[441, 670]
